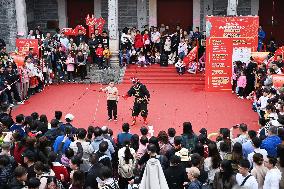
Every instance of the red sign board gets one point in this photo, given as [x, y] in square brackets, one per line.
[228, 39]
[278, 80]
[24, 45]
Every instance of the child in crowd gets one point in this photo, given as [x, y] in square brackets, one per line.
[100, 55]
[133, 55]
[107, 55]
[124, 57]
[180, 67]
[262, 103]
[192, 67]
[138, 41]
[202, 62]
[141, 60]
[241, 84]
[157, 57]
[70, 61]
[182, 49]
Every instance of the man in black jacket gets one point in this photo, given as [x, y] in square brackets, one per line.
[175, 174]
[93, 173]
[3, 85]
[12, 78]
[80, 38]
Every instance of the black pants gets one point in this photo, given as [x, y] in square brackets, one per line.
[123, 182]
[82, 71]
[234, 85]
[100, 62]
[15, 91]
[112, 108]
[241, 91]
[70, 75]
[140, 107]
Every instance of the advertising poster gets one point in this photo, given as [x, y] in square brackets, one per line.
[228, 39]
[23, 46]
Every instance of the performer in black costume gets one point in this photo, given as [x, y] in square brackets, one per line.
[142, 97]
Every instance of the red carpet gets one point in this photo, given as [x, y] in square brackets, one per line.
[170, 105]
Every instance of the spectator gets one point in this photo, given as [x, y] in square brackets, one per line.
[18, 126]
[65, 138]
[106, 180]
[271, 142]
[193, 173]
[93, 172]
[248, 145]
[244, 178]
[124, 135]
[94, 146]
[212, 162]
[175, 174]
[273, 175]
[259, 170]
[243, 137]
[19, 179]
[256, 144]
[225, 178]
[189, 138]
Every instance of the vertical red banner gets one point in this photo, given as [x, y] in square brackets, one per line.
[228, 39]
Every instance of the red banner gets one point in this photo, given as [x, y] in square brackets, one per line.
[24, 45]
[228, 39]
[278, 81]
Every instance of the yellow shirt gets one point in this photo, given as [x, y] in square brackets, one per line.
[106, 53]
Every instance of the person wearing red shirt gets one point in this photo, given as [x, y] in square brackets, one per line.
[146, 41]
[138, 41]
[100, 55]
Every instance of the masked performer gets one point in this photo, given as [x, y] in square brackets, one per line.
[142, 96]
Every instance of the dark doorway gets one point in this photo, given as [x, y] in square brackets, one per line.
[267, 10]
[77, 10]
[173, 12]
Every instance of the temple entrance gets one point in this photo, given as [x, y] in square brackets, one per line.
[78, 10]
[175, 12]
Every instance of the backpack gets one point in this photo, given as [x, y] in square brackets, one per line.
[189, 142]
[126, 170]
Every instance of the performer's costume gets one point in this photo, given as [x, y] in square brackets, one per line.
[142, 96]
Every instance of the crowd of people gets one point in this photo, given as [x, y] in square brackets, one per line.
[37, 153]
[163, 45]
[55, 154]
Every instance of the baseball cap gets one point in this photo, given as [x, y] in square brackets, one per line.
[69, 116]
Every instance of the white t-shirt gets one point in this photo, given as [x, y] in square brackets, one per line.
[112, 93]
[272, 179]
[258, 150]
[263, 102]
[250, 183]
[155, 37]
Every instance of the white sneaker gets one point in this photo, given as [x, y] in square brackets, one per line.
[12, 105]
[20, 103]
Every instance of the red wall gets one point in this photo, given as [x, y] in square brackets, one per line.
[266, 11]
[173, 12]
[77, 11]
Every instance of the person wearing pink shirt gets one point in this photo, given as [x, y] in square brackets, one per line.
[70, 61]
[241, 84]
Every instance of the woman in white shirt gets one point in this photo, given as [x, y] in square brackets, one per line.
[212, 162]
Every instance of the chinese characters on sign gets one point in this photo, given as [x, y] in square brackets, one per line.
[228, 39]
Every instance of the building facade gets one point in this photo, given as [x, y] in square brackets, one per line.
[17, 16]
